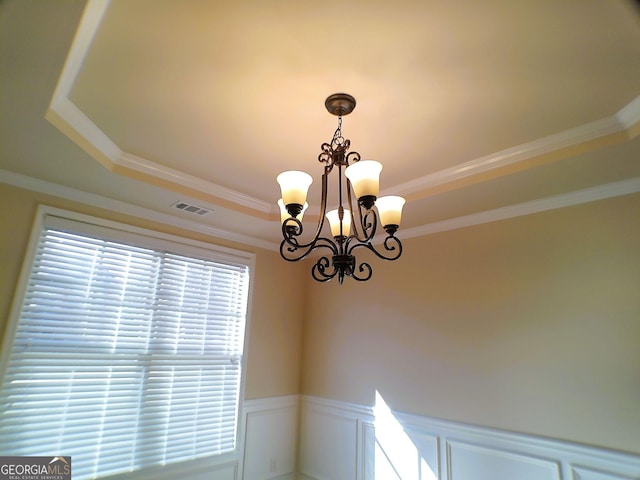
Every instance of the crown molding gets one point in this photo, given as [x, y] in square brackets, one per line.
[71, 121]
[171, 175]
[601, 192]
[622, 122]
[629, 115]
[91, 18]
[98, 201]
[592, 194]
[76, 125]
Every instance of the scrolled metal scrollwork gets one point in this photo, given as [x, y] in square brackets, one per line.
[363, 267]
[392, 244]
[352, 157]
[326, 154]
[320, 268]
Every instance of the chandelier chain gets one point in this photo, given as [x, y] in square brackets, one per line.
[338, 139]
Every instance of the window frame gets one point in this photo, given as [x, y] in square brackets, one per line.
[128, 233]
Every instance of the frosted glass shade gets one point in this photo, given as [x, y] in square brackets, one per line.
[284, 214]
[334, 222]
[294, 186]
[364, 177]
[390, 210]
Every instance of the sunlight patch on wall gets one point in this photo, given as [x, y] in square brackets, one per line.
[396, 455]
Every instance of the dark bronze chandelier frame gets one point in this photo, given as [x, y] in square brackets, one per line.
[340, 260]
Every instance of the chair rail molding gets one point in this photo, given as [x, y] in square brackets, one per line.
[342, 441]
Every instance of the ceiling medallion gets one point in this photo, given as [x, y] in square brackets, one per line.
[350, 228]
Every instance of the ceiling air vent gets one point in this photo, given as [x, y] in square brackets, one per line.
[190, 208]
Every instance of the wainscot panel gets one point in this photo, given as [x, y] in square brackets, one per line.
[328, 443]
[341, 441]
[270, 438]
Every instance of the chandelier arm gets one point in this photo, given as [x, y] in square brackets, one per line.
[292, 252]
[286, 251]
[368, 223]
[391, 244]
[323, 200]
[368, 226]
[319, 270]
[292, 227]
[354, 224]
[324, 242]
[363, 267]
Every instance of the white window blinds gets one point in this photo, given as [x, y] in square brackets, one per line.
[125, 356]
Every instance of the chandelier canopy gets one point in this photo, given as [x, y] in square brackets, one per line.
[350, 228]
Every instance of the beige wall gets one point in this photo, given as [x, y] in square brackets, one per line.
[273, 366]
[530, 324]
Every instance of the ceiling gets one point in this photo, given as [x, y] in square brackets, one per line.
[477, 110]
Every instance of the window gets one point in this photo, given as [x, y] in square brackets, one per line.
[126, 352]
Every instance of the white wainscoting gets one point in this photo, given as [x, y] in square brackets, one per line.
[270, 438]
[340, 441]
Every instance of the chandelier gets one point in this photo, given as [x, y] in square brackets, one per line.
[351, 229]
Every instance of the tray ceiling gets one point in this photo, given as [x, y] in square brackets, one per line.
[471, 107]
